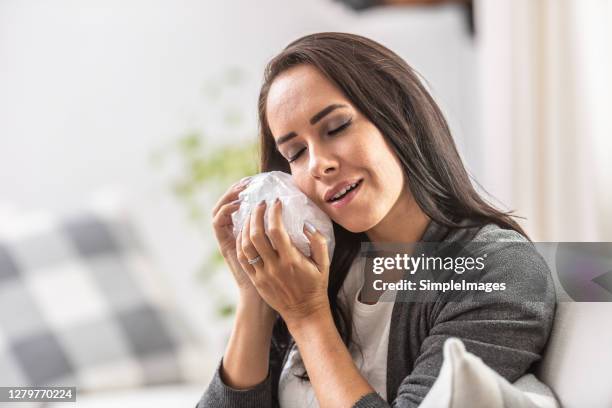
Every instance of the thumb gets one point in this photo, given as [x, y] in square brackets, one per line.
[318, 247]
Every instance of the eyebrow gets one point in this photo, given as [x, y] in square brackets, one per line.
[317, 117]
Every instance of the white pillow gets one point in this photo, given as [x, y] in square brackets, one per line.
[466, 381]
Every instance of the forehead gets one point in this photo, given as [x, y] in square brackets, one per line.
[296, 95]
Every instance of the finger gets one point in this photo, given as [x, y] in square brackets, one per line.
[243, 258]
[318, 247]
[276, 229]
[258, 236]
[223, 217]
[231, 194]
[247, 246]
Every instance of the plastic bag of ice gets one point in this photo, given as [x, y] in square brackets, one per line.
[297, 208]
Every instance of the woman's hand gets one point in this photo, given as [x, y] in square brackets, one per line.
[222, 225]
[294, 285]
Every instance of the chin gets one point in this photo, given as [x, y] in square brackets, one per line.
[357, 226]
[361, 220]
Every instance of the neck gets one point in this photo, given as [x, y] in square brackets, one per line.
[405, 222]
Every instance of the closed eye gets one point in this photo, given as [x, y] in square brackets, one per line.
[296, 156]
[340, 128]
[330, 133]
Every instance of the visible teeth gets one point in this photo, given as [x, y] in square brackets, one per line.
[340, 193]
[343, 191]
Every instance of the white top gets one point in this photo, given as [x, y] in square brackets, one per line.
[370, 329]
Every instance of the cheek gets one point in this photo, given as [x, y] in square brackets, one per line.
[356, 152]
[386, 168]
[368, 149]
[393, 174]
[372, 157]
[304, 186]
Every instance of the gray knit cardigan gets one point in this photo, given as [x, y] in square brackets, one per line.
[507, 332]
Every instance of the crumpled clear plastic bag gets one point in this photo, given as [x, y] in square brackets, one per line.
[297, 208]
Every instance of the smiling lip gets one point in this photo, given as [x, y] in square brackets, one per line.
[347, 198]
[333, 191]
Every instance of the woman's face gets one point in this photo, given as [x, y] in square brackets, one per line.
[330, 146]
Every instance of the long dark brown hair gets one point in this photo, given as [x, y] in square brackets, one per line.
[384, 88]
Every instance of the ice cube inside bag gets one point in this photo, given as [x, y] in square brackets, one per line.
[297, 208]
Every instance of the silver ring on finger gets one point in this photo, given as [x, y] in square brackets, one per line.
[254, 260]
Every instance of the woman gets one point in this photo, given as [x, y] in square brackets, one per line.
[343, 114]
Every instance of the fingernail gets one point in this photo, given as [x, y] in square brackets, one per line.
[262, 203]
[309, 227]
[277, 201]
[245, 180]
[236, 201]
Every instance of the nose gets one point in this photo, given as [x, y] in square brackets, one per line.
[321, 162]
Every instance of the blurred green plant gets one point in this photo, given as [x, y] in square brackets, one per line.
[206, 170]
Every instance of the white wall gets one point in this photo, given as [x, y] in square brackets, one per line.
[546, 96]
[89, 89]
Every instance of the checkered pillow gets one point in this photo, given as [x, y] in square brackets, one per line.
[80, 305]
